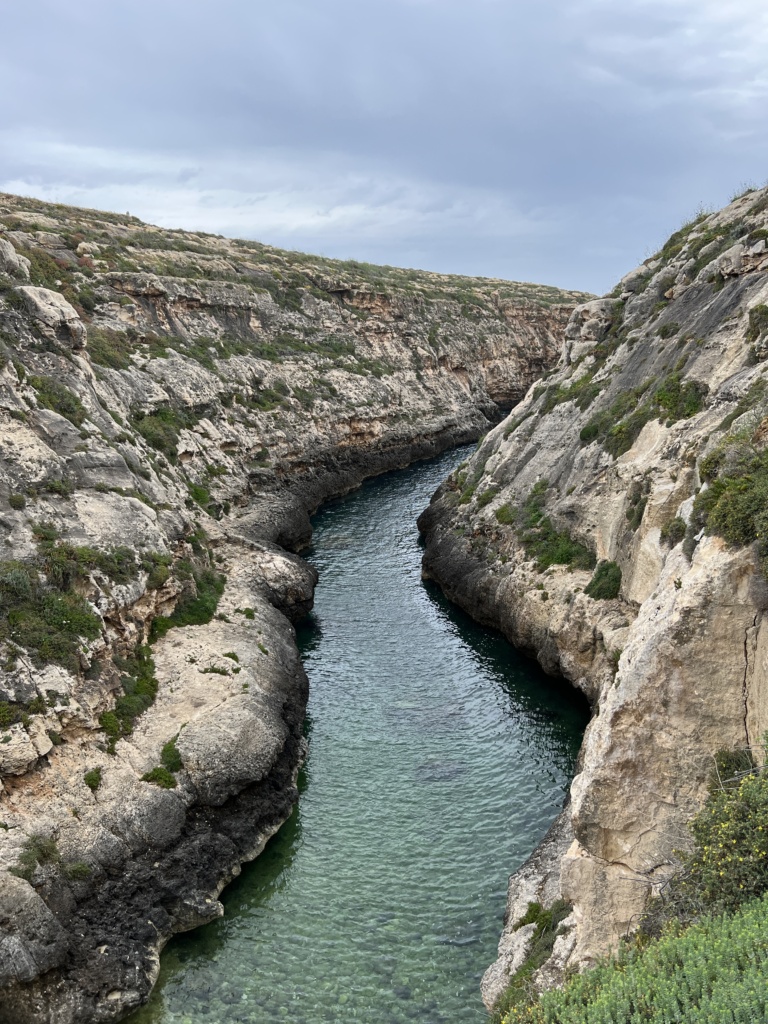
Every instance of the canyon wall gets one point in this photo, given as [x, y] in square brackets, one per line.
[172, 408]
[614, 526]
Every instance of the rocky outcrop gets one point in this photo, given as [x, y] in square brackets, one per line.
[172, 408]
[643, 452]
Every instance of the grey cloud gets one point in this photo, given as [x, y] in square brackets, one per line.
[582, 131]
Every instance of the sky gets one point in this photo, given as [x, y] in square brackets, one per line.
[558, 141]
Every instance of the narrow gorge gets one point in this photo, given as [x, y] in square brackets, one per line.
[173, 406]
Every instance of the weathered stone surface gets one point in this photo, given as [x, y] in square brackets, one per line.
[228, 388]
[535, 881]
[53, 314]
[676, 665]
[13, 263]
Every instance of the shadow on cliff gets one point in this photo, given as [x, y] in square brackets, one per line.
[548, 704]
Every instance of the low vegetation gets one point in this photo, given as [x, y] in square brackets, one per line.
[161, 428]
[548, 923]
[605, 583]
[734, 506]
[618, 426]
[52, 394]
[542, 541]
[703, 948]
[92, 779]
[41, 608]
[197, 605]
[160, 776]
[139, 686]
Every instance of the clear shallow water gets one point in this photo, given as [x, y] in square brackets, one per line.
[439, 757]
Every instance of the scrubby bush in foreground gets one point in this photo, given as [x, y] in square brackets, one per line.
[709, 959]
[711, 973]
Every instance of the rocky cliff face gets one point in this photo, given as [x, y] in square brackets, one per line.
[172, 406]
[614, 526]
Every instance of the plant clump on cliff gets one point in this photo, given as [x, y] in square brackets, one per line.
[140, 687]
[734, 504]
[41, 609]
[542, 541]
[618, 427]
[605, 583]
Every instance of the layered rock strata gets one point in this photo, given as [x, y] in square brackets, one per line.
[172, 408]
[643, 452]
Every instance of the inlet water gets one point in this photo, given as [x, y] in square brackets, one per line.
[439, 757]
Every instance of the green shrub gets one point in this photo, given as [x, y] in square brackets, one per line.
[109, 348]
[735, 505]
[680, 400]
[9, 714]
[193, 609]
[17, 501]
[673, 531]
[729, 862]
[637, 501]
[92, 779]
[139, 692]
[505, 515]
[44, 271]
[582, 391]
[486, 497]
[711, 972]
[37, 849]
[758, 323]
[542, 541]
[44, 615]
[170, 756]
[753, 397]
[548, 922]
[619, 426]
[669, 329]
[77, 871]
[159, 575]
[160, 430]
[51, 394]
[605, 583]
[160, 776]
[200, 494]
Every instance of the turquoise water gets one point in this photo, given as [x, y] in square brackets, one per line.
[439, 757]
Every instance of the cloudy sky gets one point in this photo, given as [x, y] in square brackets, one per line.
[551, 140]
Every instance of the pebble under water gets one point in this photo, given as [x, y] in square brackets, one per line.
[439, 757]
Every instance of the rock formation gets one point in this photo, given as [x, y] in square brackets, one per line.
[613, 525]
[172, 408]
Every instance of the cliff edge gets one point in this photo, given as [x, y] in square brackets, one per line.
[614, 526]
[172, 407]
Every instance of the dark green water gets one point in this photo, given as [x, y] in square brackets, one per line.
[439, 757]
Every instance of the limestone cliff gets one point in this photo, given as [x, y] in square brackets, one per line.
[172, 406]
[642, 454]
